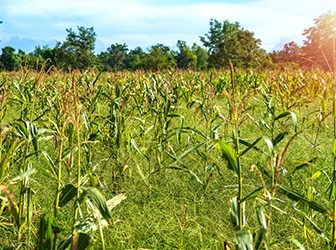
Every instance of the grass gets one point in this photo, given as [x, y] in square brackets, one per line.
[168, 141]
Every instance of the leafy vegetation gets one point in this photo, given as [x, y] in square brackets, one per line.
[183, 159]
[177, 159]
[317, 51]
[225, 42]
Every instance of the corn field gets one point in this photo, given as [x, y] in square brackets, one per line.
[168, 160]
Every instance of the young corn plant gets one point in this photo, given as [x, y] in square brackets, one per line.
[72, 125]
[276, 173]
[238, 115]
[309, 217]
[115, 121]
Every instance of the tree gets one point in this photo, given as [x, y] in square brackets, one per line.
[77, 51]
[115, 57]
[318, 46]
[9, 60]
[136, 58]
[40, 57]
[290, 54]
[185, 58]
[159, 57]
[229, 42]
[202, 56]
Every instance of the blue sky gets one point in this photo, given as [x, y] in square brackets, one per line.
[143, 23]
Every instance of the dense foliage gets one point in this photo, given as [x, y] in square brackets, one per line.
[224, 42]
[229, 42]
[318, 48]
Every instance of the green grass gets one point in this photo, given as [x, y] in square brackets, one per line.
[154, 137]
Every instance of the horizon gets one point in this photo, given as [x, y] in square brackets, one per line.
[145, 23]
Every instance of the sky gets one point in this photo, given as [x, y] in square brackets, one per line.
[28, 23]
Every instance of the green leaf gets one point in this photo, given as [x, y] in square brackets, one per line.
[98, 201]
[234, 211]
[259, 238]
[297, 243]
[48, 231]
[294, 118]
[196, 131]
[261, 215]
[53, 171]
[316, 228]
[244, 240]
[316, 174]
[47, 173]
[228, 154]
[23, 129]
[270, 146]
[189, 151]
[44, 242]
[334, 148]
[23, 175]
[250, 145]
[68, 192]
[69, 153]
[80, 241]
[298, 197]
[247, 144]
[138, 149]
[33, 134]
[63, 245]
[30, 207]
[284, 114]
[332, 190]
[6, 156]
[254, 194]
[266, 125]
[305, 164]
[279, 138]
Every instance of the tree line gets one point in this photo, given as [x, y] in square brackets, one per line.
[225, 42]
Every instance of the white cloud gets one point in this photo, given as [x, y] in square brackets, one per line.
[137, 23]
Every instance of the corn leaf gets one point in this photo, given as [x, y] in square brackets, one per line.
[294, 118]
[261, 215]
[5, 158]
[23, 175]
[30, 207]
[332, 190]
[229, 155]
[68, 192]
[80, 241]
[244, 240]
[334, 148]
[270, 146]
[189, 151]
[279, 138]
[138, 149]
[44, 237]
[249, 146]
[298, 197]
[112, 203]
[68, 153]
[234, 211]
[254, 194]
[305, 164]
[98, 201]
